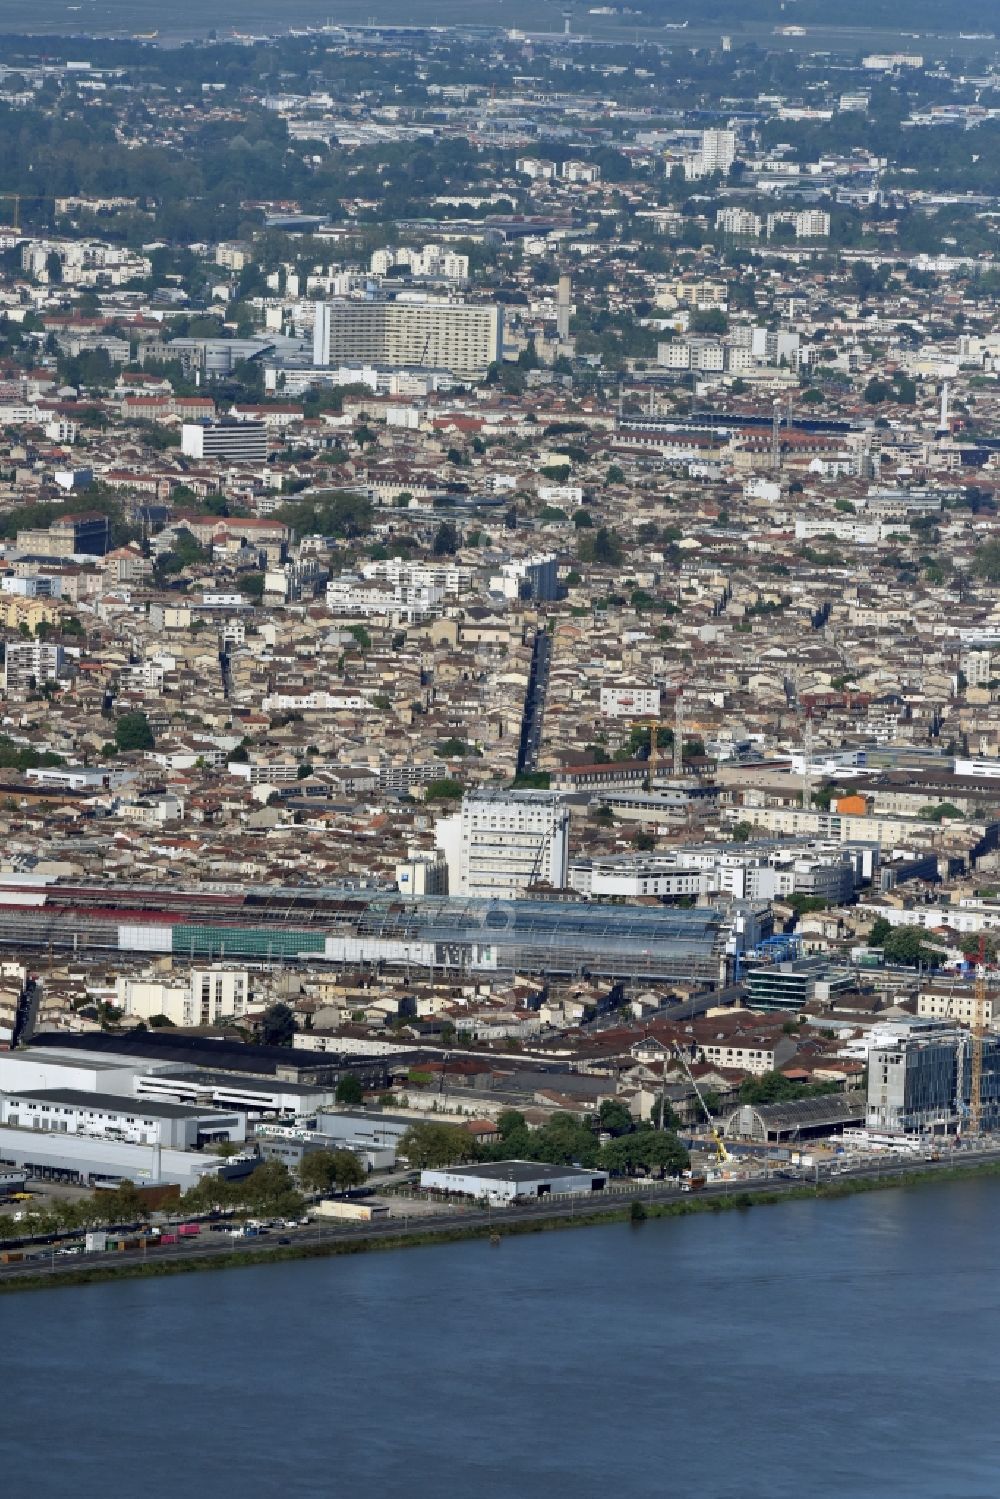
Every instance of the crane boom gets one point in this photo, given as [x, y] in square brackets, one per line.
[721, 1153]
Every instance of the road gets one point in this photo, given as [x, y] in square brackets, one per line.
[209, 1244]
[534, 704]
[27, 1014]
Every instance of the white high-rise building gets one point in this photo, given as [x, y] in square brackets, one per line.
[321, 335]
[502, 842]
[716, 153]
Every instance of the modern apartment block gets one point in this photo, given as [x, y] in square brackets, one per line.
[29, 663]
[502, 842]
[233, 442]
[463, 337]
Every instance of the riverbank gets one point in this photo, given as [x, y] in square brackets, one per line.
[496, 1228]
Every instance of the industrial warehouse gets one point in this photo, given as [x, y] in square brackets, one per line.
[436, 933]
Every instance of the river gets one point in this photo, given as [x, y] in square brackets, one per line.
[843, 1349]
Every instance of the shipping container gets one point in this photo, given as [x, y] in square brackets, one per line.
[11, 1256]
[356, 1212]
[188, 1230]
[167, 1238]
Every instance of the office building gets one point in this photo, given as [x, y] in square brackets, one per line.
[462, 337]
[920, 1078]
[230, 442]
[503, 842]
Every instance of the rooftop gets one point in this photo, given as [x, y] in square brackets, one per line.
[521, 1171]
[110, 1103]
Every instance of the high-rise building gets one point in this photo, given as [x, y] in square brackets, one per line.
[716, 153]
[29, 663]
[321, 335]
[503, 842]
[462, 337]
[564, 301]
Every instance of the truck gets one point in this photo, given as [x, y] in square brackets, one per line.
[693, 1184]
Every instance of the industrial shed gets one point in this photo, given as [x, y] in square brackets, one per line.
[798, 1120]
[508, 1181]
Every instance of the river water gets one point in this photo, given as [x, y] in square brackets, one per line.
[847, 1349]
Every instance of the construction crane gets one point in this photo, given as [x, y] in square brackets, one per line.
[977, 1031]
[721, 1153]
[17, 199]
[653, 725]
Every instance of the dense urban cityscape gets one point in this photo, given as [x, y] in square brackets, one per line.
[499, 543]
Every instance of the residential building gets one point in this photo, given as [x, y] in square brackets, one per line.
[503, 842]
[228, 441]
[462, 337]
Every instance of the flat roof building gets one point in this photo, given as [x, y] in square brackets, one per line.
[505, 1182]
[462, 337]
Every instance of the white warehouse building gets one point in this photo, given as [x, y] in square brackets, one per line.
[505, 1182]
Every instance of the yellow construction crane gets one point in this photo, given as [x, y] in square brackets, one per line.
[977, 1032]
[653, 725]
[17, 199]
[721, 1153]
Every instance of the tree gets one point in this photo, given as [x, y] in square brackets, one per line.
[509, 1121]
[881, 929]
[615, 1118]
[663, 1152]
[602, 546]
[270, 1188]
[350, 1092]
[444, 790]
[277, 1026]
[446, 540]
[774, 1087]
[321, 1170]
[348, 1171]
[132, 732]
[656, 1113]
[742, 831]
[430, 1145]
[909, 945]
[986, 564]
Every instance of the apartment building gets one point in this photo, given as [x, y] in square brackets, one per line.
[204, 996]
[462, 337]
[502, 842]
[29, 663]
[231, 442]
